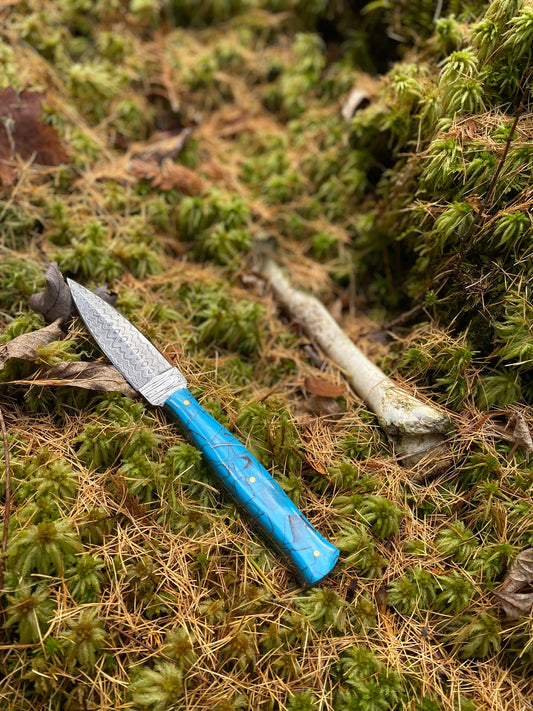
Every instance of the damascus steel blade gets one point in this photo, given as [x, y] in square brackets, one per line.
[144, 367]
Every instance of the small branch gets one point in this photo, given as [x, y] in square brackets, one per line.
[7, 509]
[417, 431]
[403, 318]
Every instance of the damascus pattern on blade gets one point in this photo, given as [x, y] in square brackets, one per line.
[139, 361]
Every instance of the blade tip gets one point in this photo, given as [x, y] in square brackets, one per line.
[75, 289]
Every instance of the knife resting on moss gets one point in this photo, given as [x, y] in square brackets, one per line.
[242, 476]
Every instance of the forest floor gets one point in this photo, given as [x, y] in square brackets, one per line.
[148, 154]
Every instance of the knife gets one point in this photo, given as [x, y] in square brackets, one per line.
[148, 371]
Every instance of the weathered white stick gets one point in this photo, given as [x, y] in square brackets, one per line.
[416, 429]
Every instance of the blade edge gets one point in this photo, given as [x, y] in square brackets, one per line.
[135, 356]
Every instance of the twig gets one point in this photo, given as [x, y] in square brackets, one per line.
[7, 509]
[417, 431]
[437, 12]
[404, 318]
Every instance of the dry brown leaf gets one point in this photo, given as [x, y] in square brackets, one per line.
[129, 502]
[521, 433]
[55, 301]
[513, 428]
[152, 160]
[22, 133]
[165, 144]
[25, 346]
[471, 129]
[362, 94]
[515, 605]
[90, 376]
[321, 401]
[324, 407]
[109, 296]
[516, 594]
[317, 386]
[168, 176]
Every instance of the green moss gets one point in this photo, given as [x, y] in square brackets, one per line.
[223, 246]
[414, 591]
[382, 515]
[222, 322]
[361, 550]
[44, 549]
[19, 278]
[94, 85]
[29, 613]
[323, 608]
[404, 205]
[367, 681]
[474, 636]
[270, 434]
[84, 638]
[189, 14]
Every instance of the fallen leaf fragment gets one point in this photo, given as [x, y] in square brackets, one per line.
[55, 301]
[23, 134]
[80, 374]
[317, 386]
[324, 407]
[515, 605]
[167, 176]
[321, 401]
[152, 160]
[516, 593]
[108, 296]
[165, 144]
[471, 128]
[521, 433]
[25, 346]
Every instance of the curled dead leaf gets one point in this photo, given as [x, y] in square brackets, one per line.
[321, 401]
[22, 133]
[324, 407]
[80, 374]
[109, 296]
[360, 96]
[165, 144]
[168, 176]
[55, 301]
[515, 605]
[516, 593]
[521, 433]
[26, 345]
[152, 160]
[318, 386]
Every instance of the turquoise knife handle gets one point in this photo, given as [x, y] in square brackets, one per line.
[249, 483]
